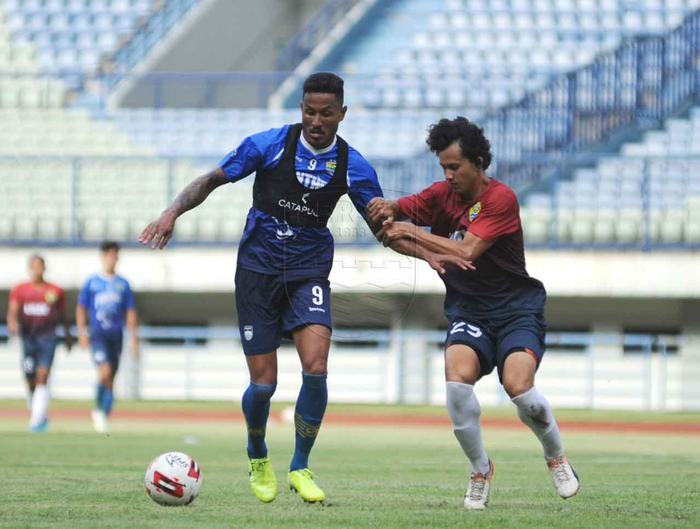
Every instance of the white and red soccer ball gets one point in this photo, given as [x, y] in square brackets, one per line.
[174, 479]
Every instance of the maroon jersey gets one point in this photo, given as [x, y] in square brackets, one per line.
[500, 286]
[39, 307]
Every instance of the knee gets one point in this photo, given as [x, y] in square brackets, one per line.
[316, 365]
[462, 405]
[515, 388]
[41, 379]
[262, 392]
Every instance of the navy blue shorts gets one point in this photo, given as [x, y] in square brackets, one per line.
[270, 308]
[106, 349]
[38, 352]
[494, 340]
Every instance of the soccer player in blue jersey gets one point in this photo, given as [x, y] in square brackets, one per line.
[105, 304]
[284, 260]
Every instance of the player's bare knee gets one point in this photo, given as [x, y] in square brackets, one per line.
[517, 387]
[42, 378]
[316, 366]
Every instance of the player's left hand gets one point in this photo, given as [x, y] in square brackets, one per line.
[135, 349]
[438, 261]
[393, 231]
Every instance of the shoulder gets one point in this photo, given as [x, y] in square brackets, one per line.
[358, 165]
[54, 286]
[440, 190]
[270, 137]
[500, 194]
[124, 281]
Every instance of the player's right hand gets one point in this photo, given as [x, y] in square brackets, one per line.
[159, 231]
[12, 327]
[380, 209]
[84, 341]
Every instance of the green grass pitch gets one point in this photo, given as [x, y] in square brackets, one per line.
[373, 476]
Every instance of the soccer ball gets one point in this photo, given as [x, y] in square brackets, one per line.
[173, 478]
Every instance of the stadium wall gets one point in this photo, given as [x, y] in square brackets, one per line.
[216, 36]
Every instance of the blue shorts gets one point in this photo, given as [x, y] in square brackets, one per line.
[494, 339]
[270, 307]
[38, 352]
[106, 349]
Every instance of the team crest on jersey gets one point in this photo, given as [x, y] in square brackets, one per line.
[330, 166]
[248, 332]
[474, 211]
[51, 297]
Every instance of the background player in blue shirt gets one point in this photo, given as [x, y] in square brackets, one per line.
[284, 260]
[106, 301]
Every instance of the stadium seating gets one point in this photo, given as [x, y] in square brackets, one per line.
[73, 34]
[608, 204]
[492, 50]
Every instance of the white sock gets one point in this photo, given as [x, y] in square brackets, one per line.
[464, 410]
[30, 396]
[535, 411]
[40, 404]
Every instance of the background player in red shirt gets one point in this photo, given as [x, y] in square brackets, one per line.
[496, 312]
[34, 311]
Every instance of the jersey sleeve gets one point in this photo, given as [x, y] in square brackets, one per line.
[129, 302]
[500, 215]
[84, 294]
[363, 183]
[419, 207]
[259, 151]
[14, 294]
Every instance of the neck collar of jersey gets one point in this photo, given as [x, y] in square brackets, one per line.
[316, 152]
[107, 277]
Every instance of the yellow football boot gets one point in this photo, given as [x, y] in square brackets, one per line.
[302, 481]
[262, 479]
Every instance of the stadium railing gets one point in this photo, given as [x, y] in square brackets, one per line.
[314, 32]
[141, 41]
[637, 86]
[585, 370]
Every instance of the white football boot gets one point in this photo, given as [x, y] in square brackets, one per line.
[99, 421]
[564, 476]
[477, 496]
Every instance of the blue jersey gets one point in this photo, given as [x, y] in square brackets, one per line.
[107, 299]
[272, 246]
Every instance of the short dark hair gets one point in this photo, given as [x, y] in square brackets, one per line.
[36, 256]
[470, 137]
[324, 83]
[106, 246]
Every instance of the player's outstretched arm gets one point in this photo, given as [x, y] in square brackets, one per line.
[12, 317]
[160, 231]
[469, 249]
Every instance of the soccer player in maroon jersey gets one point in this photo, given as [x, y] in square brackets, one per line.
[496, 312]
[35, 309]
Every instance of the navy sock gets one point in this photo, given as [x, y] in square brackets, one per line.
[311, 405]
[99, 396]
[256, 408]
[107, 400]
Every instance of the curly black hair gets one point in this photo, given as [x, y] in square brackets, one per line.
[324, 83]
[471, 138]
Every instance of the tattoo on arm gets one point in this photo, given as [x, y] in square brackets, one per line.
[200, 188]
